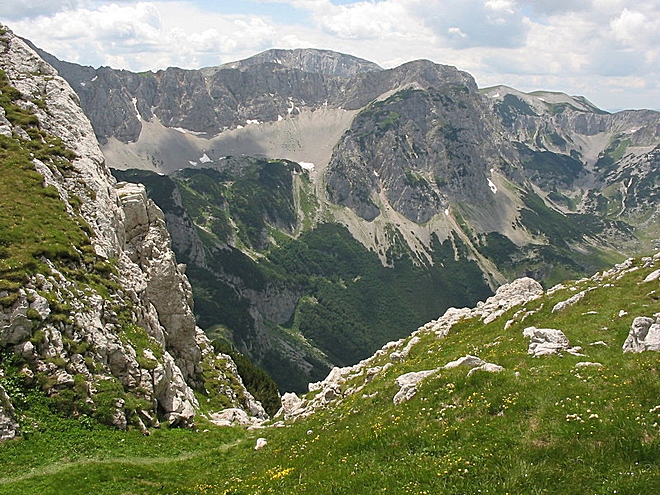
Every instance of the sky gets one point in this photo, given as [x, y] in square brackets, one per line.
[605, 50]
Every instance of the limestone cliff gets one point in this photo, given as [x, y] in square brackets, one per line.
[102, 322]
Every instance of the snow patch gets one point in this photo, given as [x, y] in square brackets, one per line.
[205, 159]
[492, 186]
[280, 118]
[447, 212]
[137, 112]
[186, 131]
[194, 164]
[94, 78]
[307, 166]
[251, 122]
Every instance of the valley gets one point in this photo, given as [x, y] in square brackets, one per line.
[450, 288]
[411, 163]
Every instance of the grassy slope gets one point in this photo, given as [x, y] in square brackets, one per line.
[541, 426]
[33, 219]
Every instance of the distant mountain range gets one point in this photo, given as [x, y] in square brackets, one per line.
[325, 205]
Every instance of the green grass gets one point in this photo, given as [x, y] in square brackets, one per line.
[540, 426]
[71, 458]
[33, 220]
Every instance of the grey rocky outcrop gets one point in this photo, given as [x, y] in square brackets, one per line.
[233, 417]
[8, 426]
[574, 299]
[408, 384]
[139, 331]
[520, 291]
[292, 406]
[147, 244]
[545, 341]
[507, 296]
[474, 364]
[644, 335]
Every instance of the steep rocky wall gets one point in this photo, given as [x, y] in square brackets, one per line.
[112, 334]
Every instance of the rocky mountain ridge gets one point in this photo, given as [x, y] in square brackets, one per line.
[419, 140]
[99, 321]
[412, 161]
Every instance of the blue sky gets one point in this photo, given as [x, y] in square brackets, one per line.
[605, 50]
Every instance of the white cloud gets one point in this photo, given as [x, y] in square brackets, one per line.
[146, 35]
[635, 29]
[608, 50]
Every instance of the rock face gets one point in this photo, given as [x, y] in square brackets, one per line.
[644, 335]
[211, 100]
[131, 334]
[148, 246]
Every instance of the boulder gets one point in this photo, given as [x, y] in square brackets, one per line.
[644, 335]
[15, 326]
[173, 394]
[562, 305]
[468, 360]
[587, 364]
[232, 417]
[408, 384]
[653, 276]
[545, 341]
[487, 367]
[475, 364]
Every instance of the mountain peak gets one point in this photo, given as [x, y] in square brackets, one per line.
[326, 62]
